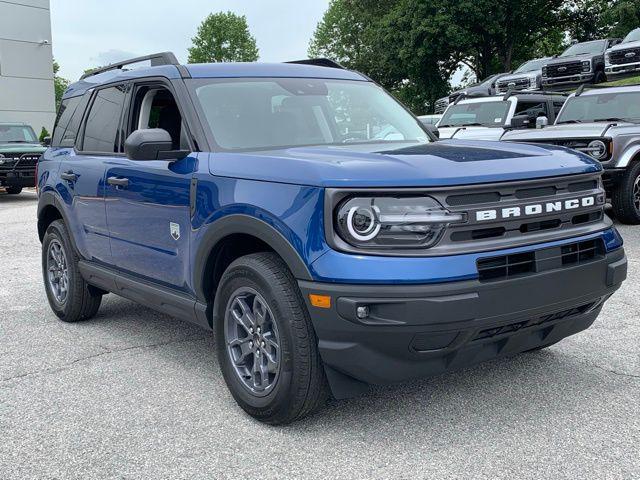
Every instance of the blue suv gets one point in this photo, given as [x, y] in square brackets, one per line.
[308, 219]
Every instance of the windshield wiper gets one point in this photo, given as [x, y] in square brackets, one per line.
[17, 141]
[474, 124]
[614, 119]
[569, 121]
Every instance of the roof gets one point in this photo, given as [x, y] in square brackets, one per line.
[215, 70]
[596, 90]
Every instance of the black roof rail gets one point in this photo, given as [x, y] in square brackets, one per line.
[511, 92]
[318, 62]
[162, 58]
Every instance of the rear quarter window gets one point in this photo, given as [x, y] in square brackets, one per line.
[67, 109]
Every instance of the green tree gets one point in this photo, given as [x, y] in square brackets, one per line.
[223, 37]
[622, 17]
[59, 84]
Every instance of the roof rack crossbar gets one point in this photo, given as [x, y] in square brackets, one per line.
[162, 58]
[319, 62]
[511, 92]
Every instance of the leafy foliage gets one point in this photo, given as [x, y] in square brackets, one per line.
[413, 47]
[59, 84]
[223, 37]
[43, 134]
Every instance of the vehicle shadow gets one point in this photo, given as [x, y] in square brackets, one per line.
[498, 391]
[22, 198]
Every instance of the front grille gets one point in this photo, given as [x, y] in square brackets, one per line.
[534, 322]
[22, 162]
[563, 69]
[441, 105]
[629, 55]
[515, 84]
[521, 264]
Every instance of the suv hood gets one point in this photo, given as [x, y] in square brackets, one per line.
[568, 130]
[558, 60]
[443, 163]
[21, 147]
[471, 133]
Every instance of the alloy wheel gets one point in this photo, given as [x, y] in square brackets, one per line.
[636, 194]
[253, 343]
[58, 272]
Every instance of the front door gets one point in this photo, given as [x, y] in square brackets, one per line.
[148, 202]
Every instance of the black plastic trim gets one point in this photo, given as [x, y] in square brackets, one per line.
[244, 224]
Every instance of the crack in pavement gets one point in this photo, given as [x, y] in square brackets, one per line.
[107, 351]
[604, 369]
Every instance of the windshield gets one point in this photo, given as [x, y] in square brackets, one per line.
[265, 113]
[531, 65]
[632, 36]
[602, 107]
[17, 134]
[590, 48]
[481, 114]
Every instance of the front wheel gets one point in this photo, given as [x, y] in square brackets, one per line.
[70, 297]
[266, 345]
[625, 198]
[599, 77]
[14, 190]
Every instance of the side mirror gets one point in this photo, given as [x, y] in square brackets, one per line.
[46, 141]
[432, 129]
[520, 121]
[542, 122]
[152, 144]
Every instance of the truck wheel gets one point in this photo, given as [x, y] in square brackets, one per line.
[626, 197]
[267, 348]
[599, 77]
[70, 297]
[14, 190]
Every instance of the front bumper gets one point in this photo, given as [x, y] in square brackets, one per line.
[17, 178]
[415, 331]
[612, 178]
[568, 81]
[616, 72]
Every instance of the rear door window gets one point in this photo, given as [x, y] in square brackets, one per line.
[102, 126]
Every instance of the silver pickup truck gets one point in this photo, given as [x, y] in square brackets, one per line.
[603, 123]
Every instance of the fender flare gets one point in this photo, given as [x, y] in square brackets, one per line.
[244, 224]
[628, 156]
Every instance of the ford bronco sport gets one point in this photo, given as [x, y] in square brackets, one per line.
[605, 124]
[488, 118]
[310, 221]
[19, 154]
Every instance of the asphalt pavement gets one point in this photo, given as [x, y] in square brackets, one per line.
[136, 394]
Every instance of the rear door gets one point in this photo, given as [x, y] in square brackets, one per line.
[82, 170]
[148, 202]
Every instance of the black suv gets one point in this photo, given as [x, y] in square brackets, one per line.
[579, 64]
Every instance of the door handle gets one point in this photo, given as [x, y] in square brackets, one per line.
[69, 176]
[118, 182]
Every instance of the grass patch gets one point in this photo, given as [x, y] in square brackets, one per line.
[622, 82]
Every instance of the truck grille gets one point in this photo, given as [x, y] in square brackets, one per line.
[20, 161]
[563, 69]
[511, 214]
[516, 84]
[629, 55]
[520, 264]
[441, 105]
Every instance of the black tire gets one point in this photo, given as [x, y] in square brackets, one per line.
[300, 387]
[14, 190]
[81, 301]
[599, 77]
[625, 198]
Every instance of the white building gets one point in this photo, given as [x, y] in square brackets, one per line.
[26, 64]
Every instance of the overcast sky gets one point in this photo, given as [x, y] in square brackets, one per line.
[88, 33]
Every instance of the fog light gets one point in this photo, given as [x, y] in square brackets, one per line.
[362, 312]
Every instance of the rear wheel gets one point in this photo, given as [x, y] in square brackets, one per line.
[625, 198]
[266, 345]
[14, 190]
[70, 297]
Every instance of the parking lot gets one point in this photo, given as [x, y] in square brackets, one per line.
[136, 394]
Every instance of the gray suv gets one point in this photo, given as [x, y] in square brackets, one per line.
[623, 60]
[603, 123]
[579, 64]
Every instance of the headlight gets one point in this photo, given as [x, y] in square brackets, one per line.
[586, 66]
[393, 222]
[533, 82]
[544, 71]
[607, 58]
[597, 149]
